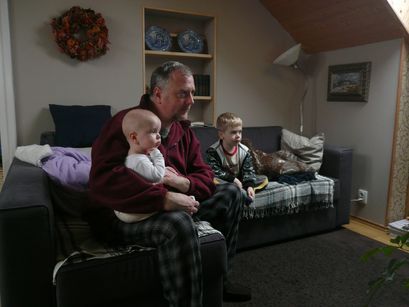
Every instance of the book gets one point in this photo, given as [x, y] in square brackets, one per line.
[202, 84]
[206, 85]
[398, 228]
[198, 79]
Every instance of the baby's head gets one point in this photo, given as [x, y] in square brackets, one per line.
[229, 127]
[141, 129]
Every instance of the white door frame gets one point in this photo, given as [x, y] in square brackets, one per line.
[8, 131]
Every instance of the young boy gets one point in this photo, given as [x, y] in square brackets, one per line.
[141, 129]
[229, 158]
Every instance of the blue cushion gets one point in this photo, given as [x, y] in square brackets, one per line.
[78, 126]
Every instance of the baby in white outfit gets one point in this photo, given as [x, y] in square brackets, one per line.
[141, 129]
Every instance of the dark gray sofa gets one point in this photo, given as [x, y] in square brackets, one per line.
[28, 239]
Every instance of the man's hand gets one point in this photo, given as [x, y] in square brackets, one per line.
[174, 180]
[178, 201]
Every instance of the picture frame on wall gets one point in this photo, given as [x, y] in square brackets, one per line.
[349, 82]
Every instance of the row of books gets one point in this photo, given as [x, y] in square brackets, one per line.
[398, 228]
[202, 84]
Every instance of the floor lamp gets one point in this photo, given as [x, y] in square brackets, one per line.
[291, 58]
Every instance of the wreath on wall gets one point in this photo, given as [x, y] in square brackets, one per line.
[81, 33]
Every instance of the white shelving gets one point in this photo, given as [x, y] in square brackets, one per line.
[175, 22]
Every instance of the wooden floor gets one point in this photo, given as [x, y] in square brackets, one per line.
[366, 229]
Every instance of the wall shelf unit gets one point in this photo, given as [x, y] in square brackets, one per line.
[203, 63]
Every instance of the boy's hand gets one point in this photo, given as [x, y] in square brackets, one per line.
[238, 183]
[251, 193]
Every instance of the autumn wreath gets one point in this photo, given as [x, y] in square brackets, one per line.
[81, 33]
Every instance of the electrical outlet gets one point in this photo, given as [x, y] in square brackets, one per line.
[363, 194]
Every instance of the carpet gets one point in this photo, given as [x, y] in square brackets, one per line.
[324, 270]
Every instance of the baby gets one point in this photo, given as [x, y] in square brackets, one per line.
[141, 129]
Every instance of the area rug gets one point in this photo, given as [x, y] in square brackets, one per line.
[324, 270]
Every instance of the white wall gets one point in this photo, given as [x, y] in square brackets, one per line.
[366, 127]
[7, 110]
[248, 39]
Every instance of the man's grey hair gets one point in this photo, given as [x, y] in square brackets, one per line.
[160, 75]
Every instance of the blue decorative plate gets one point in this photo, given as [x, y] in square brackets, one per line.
[190, 41]
[157, 38]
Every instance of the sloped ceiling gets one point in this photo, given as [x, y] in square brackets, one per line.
[323, 25]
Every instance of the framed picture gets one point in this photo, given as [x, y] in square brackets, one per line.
[349, 82]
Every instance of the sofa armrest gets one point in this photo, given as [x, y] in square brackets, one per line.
[337, 163]
[27, 245]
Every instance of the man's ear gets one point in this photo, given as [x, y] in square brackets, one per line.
[157, 94]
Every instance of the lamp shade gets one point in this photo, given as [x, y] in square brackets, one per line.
[289, 57]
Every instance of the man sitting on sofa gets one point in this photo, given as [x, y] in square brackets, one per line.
[172, 231]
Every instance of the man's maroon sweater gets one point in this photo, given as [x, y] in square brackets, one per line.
[114, 186]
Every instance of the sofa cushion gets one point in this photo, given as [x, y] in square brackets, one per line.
[309, 151]
[78, 126]
[266, 139]
[206, 136]
[68, 201]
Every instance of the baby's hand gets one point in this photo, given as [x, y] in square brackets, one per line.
[238, 183]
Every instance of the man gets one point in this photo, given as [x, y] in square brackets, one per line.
[172, 230]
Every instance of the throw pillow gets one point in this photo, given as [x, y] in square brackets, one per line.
[78, 126]
[308, 151]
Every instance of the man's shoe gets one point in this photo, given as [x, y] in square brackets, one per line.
[233, 292]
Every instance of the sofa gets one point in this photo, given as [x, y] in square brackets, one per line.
[336, 164]
[30, 239]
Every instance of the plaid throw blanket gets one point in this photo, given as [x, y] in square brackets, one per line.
[76, 243]
[279, 199]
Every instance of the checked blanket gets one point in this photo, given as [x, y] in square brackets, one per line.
[279, 199]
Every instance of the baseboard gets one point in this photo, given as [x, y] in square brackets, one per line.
[368, 222]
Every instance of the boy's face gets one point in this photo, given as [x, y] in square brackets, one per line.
[231, 136]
